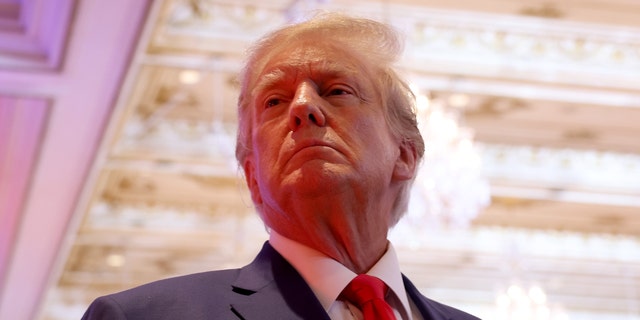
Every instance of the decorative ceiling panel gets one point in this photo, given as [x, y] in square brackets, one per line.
[180, 113]
[33, 33]
[213, 27]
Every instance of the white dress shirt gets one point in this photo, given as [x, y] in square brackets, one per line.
[327, 278]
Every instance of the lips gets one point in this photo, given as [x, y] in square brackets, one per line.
[310, 144]
[306, 144]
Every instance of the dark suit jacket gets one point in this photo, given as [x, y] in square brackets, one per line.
[267, 288]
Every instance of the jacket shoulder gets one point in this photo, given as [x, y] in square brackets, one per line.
[451, 312]
[196, 295]
[434, 310]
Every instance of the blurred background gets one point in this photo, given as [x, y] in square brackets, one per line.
[117, 131]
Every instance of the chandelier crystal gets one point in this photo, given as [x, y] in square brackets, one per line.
[518, 302]
[449, 189]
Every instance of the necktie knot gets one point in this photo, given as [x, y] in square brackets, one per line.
[363, 289]
[367, 294]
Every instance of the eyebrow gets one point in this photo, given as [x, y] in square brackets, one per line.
[269, 80]
[323, 70]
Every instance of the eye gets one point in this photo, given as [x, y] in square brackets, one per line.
[272, 102]
[338, 91]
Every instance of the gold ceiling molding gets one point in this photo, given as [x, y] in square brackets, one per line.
[545, 10]
[527, 42]
[568, 169]
[212, 26]
[118, 215]
[550, 52]
[435, 36]
[189, 191]
[558, 209]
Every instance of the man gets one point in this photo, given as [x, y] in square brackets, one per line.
[329, 144]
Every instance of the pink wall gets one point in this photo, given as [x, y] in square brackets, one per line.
[81, 94]
[21, 125]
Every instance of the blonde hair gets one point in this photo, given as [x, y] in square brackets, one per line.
[379, 46]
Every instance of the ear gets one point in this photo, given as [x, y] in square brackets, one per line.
[406, 162]
[252, 182]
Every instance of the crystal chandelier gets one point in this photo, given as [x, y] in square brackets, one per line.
[518, 303]
[449, 189]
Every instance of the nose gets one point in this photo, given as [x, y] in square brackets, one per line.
[305, 108]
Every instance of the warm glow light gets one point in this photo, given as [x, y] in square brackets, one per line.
[458, 100]
[189, 77]
[515, 292]
[115, 260]
[422, 103]
[503, 301]
[537, 295]
[516, 303]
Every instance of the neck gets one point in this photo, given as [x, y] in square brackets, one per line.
[349, 229]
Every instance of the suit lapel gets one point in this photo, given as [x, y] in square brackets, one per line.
[428, 308]
[270, 288]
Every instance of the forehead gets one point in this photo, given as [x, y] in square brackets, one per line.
[312, 59]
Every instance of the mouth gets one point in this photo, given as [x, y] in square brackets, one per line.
[314, 149]
[311, 144]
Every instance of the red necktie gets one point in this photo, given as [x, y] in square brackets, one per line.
[367, 293]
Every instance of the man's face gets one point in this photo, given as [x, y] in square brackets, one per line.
[319, 130]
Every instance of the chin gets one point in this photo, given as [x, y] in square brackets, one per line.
[324, 179]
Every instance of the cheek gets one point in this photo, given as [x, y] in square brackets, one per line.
[262, 137]
[267, 150]
[374, 134]
[269, 137]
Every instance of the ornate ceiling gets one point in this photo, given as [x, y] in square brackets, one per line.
[117, 124]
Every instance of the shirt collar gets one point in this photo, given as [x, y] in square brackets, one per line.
[327, 277]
